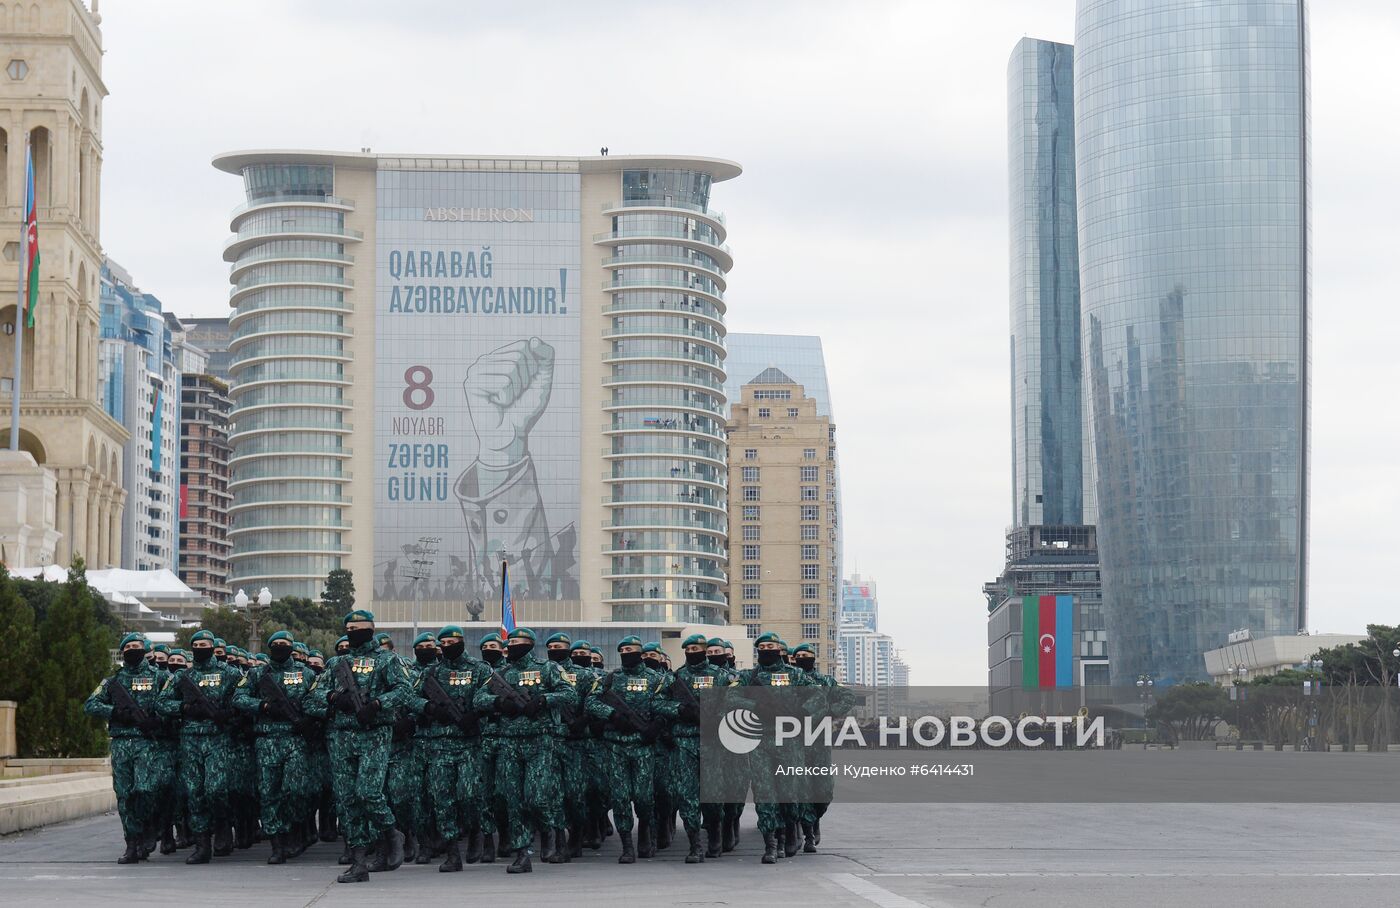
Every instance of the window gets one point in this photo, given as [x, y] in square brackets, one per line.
[751, 512]
[792, 412]
[809, 453]
[809, 493]
[751, 571]
[809, 610]
[830, 453]
[809, 474]
[772, 394]
[751, 493]
[751, 534]
[751, 612]
[831, 477]
[809, 572]
[752, 631]
[811, 591]
[809, 531]
[809, 553]
[765, 413]
[811, 513]
[810, 631]
[750, 474]
[751, 590]
[750, 553]
[751, 453]
[830, 494]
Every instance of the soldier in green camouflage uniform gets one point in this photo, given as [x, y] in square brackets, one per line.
[526, 771]
[204, 745]
[403, 786]
[584, 770]
[359, 743]
[429, 843]
[174, 792]
[321, 803]
[775, 820]
[135, 774]
[697, 675]
[567, 730]
[243, 777]
[630, 734]
[839, 703]
[283, 769]
[493, 809]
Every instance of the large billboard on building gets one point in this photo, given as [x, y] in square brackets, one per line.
[476, 394]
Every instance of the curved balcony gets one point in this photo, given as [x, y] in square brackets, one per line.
[239, 364]
[298, 199]
[680, 574]
[618, 262]
[671, 613]
[712, 408]
[716, 528]
[656, 283]
[278, 478]
[334, 259]
[240, 242]
[683, 500]
[248, 287]
[714, 219]
[669, 356]
[708, 312]
[669, 425]
[709, 338]
[248, 332]
[247, 309]
[720, 252]
[652, 447]
[644, 377]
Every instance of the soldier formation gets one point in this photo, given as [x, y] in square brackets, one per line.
[468, 757]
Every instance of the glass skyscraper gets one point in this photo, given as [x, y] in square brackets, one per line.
[1046, 392]
[1191, 130]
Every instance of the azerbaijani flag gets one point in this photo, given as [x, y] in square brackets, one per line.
[507, 606]
[31, 240]
[1047, 641]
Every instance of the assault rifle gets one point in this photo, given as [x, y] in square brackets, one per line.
[621, 707]
[274, 692]
[191, 695]
[122, 699]
[514, 695]
[686, 697]
[346, 686]
[435, 693]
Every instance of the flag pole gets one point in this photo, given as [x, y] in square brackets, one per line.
[19, 301]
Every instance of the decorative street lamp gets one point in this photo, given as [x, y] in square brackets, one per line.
[1144, 686]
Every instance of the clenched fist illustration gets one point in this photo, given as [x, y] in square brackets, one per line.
[507, 390]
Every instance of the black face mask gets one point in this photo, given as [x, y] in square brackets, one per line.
[769, 657]
[162, 663]
[518, 651]
[202, 655]
[582, 661]
[279, 652]
[630, 660]
[133, 657]
[655, 665]
[695, 658]
[360, 636]
[453, 651]
[807, 664]
[719, 659]
[315, 669]
[492, 656]
[425, 656]
[223, 658]
[558, 655]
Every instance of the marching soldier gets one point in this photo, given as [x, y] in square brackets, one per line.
[774, 819]
[567, 730]
[592, 805]
[429, 843]
[698, 674]
[663, 825]
[839, 702]
[127, 701]
[407, 768]
[359, 694]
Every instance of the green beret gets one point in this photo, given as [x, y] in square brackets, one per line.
[693, 639]
[281, 635]
[425, 637]
[382, 637]
[317, 654]
[652, 647]
[134, 638]
[727, 644]
[345, 640]
[492, 637]
[160, 648]
[594, 649]
[301, 647]
[450, 631]
[203, 635]
[263, 657]
[522, 632]
[359, 614]
[581, 644]
[803, 648]
[767, 637]
[714, 641]
[560, 637]
[629, 640]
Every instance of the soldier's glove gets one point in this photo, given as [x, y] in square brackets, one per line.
[368, 713]
[689, 713]
[507, 707]
[619, 722]
[536, 705]
[344, 703]
[274, 710]
[151, 725]
[121, 715]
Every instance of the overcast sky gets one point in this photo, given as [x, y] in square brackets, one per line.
[871, 211]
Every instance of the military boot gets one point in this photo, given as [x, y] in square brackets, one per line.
[790, 840]
[592, 834]
[575, 842]
[345, 856]
[359, 870]
[200, 855]
[132, 854]
[326, 815]
[223, 839]
[646, 846]
[502, 849]
[712, 841]
[521, 864]
[728, 838]
[388, 855]
[279, 849]
[770, 848]
[473, 847]
[488, 848]
[607, 825]
[661, 833]
[167, 839]
[182, 836]
[547, 848]
[410, 847]
[735, 823]
[454, 857]
[629, 854]
[809, 841]
[563, 850]
[696, 856]
[817, 831]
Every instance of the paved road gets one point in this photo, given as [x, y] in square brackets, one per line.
[892, 856]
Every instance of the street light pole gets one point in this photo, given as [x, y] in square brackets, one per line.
[240, 602]
[1144, 686]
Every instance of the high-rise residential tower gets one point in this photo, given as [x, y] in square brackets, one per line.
[442, 363]
[1191, 145]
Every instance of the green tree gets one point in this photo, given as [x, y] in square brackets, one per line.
[1189, 712]
[17, 656]
[74, 655]
[339, 593]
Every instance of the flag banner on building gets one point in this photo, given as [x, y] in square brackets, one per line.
[155, 433]
[1047, 641]
[507, 606]
[30, 253]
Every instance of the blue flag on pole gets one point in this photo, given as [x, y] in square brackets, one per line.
[507, 607]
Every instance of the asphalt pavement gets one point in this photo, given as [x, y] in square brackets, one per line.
[887, 855]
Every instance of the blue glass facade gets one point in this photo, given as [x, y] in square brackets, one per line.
[1192, 153]
[1046, 392]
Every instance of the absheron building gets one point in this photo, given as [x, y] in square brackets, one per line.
[442, 363]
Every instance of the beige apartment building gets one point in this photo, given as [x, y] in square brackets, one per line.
[51, 93]
[783, 513]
